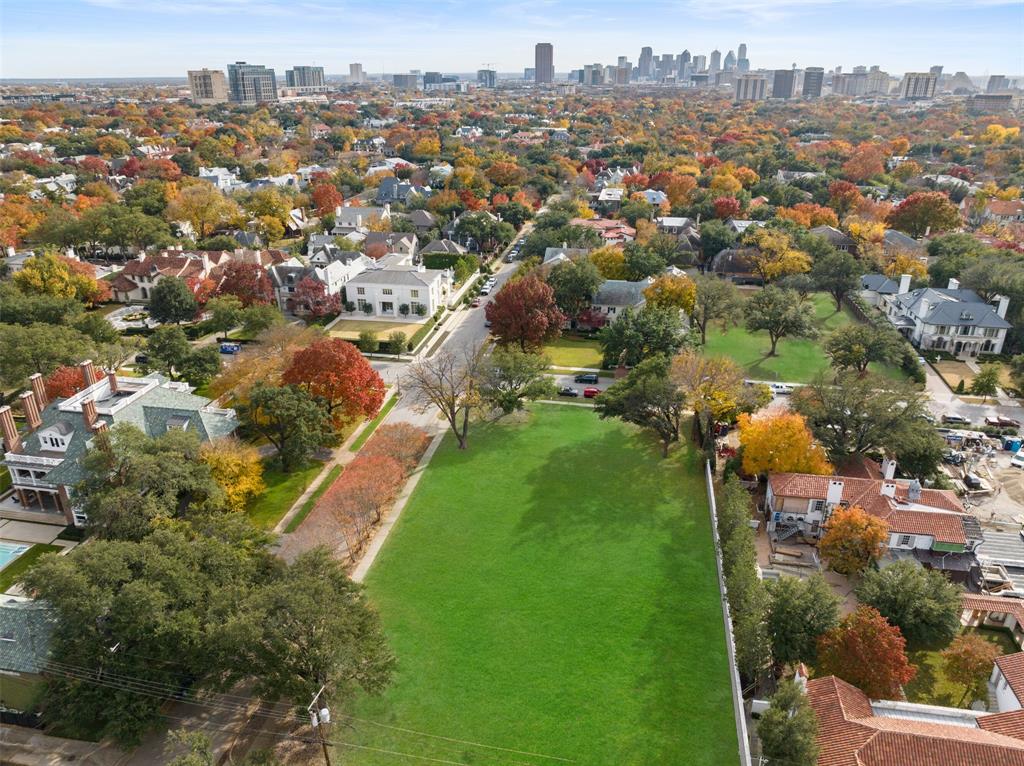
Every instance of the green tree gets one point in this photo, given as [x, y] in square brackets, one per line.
[636, 336]
[648, 398]
[200, 366]
[715, 236]
[368, 342]
[225, 312]
[799, 611]
[855, 346]
[510, 377]
[718, 300]
[396, 342]
[96, 326]
[148, 195]
[922, 603]
[167, 349]
[172, 301]
[574, 284]
[986, 382]
[779, 312]
[17, 307]
[838, 274]
[788, 730]
[642, 262]
[259, 317]
[39, 348]
[291, 420]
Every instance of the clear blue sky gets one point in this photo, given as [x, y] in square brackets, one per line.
[93, 38]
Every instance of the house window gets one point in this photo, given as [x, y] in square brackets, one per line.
[905, 541]
[818, 506]
[413, 293]
[360, 291]
[965, 330]
[611, 309]
[414, 306]
[387, 307]
[387, 291]
[991, 332]
[942, 329]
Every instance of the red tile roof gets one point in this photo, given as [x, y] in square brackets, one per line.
[1005, 207]
[850, 734]
[1011, 724]
[978, 603]
[1012, 667]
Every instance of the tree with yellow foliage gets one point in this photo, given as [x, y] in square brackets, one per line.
[853, 540]
[725, 184]
[236, 467]
[610, 261]
[780, 444]
[906, 263]
[997, 134]
[672, 291]
[775, 254]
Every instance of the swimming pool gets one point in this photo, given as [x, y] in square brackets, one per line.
[10, 551]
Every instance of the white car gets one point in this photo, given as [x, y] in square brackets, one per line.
[1017, 461]
[780, 389]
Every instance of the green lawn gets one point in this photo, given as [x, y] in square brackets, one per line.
[368, 431]
[310, 504]
[930, 686]
[283, 489]
[552, 589]
[571, 351]
[20, 565]
[797, 360]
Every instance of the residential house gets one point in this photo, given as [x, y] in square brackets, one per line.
[388, 165]
[422, 220]
[420, 291]
[224, 179]
[329, 265]
[44, 462]
[836, 238]
[873, 287]
[854, 730]
[655, 196]
[395, 190]
[1004, 211]
[998, 612]
[401, 242]
[609, 199]
[926, 525]
[616, 295]
[444, 247]
[896, 243]
[468, 132]
[555, 255]
[738, 226]
[297, 222]
[1007, 681]
[249, 239]
[137, 279]
[953, 320]
[737, 265]
[611, 231]
[26, 629]
[789, 176]
[685, 231]
[350, 219]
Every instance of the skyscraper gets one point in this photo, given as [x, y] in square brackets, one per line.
[251, 83]
[996, 83]
[716, 61]
[741, 52]
[700, 63]
[646, 63]
[487, 78]
[751, 87]
[918, 85]
[208, 86]
[814, 76]
[544, 63]
[782, 83]
[355, 73]
[305, 77]
[730, 61]
[431, 78]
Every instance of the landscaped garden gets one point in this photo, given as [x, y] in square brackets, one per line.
[349, 329]
[552, 590]
[572, 351]
[931, 686]
[798, 360]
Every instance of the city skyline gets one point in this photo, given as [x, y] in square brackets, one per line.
[901, 36]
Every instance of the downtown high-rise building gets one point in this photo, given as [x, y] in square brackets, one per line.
[305, 77]
[700, 63]
[742, 62]
[487, 78]
[730, 61]
[251, 83]
[355, 73]
[208, 86]
[814, 77]
[751, 87]
[782, 83]
[997, 83]
[715, 64]
[646, 63]
[918, 85]
[544, 63]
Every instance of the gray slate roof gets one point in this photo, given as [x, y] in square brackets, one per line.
[952, 307]
[26, 627]
[879, 283]
[901, 241]
[620, 292]
[404, 277]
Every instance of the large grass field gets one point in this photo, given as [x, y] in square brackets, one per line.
[797, 360]
[552, 589]
[571, 351]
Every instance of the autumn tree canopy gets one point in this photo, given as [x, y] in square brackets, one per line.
[524, 313]
[853, 540]
[867, 652]
[334, 370]
[780, 444]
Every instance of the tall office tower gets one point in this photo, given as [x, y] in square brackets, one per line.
[355, 73]
[751, 87]
[622, 61]
[730, 61]
[716, 61]
[208, 86]
[251, 83]
[936, 70]
[996, 83]
[685, 58]
[700, 63]
[741, 52]
[305, 77]
[918, 85]
[782, 83]
[622, 74]
[814, 76]
[409, 81]
[878, 82]
[487, 78]
[431, 78]
[646, 63]
[544, 63]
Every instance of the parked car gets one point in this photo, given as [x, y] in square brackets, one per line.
[230, 348]
[954, 458]
[475, 303]
[586, 377]
[957, 419]
[568, 391]
[1017, 461]
[485, 290]
[590, 393]
[781, 389]
[510, 257]
[1000, 422]
[141, 359]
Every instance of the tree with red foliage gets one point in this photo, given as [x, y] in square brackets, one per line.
[843, 196]
[400, 441]
[131, 168]
[93, 164]
[246, 281]
[726, 207]
[165, 170]
[326, 197]
[924, 212]
[64, 382]
[524, 313]
[635, 181]
[868, 652]
[311, 297]
[335, 371]
[867, 160]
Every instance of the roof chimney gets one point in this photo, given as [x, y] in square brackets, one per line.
[914, 491]
[99, 425]
[1004, 303]
[954, 284]
[888, 468]
[888, 489]
[12, 440]
[88, 372]
[112, 380]
[88, 412]
[904, 284]
[31, 410]
[38, 388]
[835, 492]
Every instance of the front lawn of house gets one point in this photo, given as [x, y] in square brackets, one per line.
[931, 687]
[552, 589]
[283, 489]
[797, 360]
[349, 329]
[573, 352]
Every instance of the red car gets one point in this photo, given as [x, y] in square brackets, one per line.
[475, 303]
[590, 393]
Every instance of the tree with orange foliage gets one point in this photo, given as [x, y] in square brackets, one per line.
[334, 370]
[867, 160]
[968, 662]
[843, 196]
[854, 539]
[326, 197]
[809, 215]
[868, 652]
[780, 444]
[924, 212]
[64, 382]
[246, 281]
[726, 207]
[400, 441]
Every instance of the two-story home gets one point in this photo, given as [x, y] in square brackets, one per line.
[349, 219]
[929, 525]
[404, 243]
[952, 319]
[611, 231]
[616, 295]
[395, 190]
[137, 279]
[412, 291]
[1004, 211]
[331, 266]
[44, 463]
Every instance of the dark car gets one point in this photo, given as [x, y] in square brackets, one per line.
[568, 391]
[586, 377]
[958, 419]
[972, 481]
[1000, 422]
[954, 458]
[141, 359]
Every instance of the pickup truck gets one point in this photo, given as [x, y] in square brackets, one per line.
[1000, 422]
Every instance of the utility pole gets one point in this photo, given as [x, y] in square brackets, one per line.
[319, 717]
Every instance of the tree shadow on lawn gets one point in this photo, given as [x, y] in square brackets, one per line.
[923, 686]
